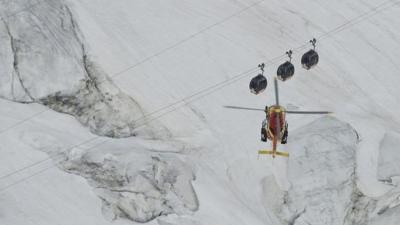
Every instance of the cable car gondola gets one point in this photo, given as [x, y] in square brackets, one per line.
[310, 58]
[286, 70]
[259, 83]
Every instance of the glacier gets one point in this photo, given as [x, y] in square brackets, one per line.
[113, 138]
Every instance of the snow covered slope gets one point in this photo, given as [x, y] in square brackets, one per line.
[44, 60]
[196, 162]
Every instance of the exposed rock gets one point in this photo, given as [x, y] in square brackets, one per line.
[389, 157]
[99, 105]
[360, 208]
[323, 180]
[42, 46]
[40, 49]
[321, 170]
[44, 60]
[141, 189]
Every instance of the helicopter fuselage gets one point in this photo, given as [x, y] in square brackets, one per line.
[276, 124]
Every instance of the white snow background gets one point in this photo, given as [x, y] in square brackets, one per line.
[138, 133]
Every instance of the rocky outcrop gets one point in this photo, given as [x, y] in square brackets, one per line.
[322, 173]
[321, 170]
[44, 60]
[140, 189]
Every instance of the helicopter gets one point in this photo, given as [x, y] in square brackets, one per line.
[275, 127]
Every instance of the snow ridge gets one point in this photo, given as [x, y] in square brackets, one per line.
[79, 87]
[140, 189]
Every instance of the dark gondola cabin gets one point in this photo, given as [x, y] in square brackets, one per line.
[258, 84]
[309, 59]
[285, 71]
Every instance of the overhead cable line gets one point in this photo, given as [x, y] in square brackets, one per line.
[348, 23]
[139, 62]
[204, 92]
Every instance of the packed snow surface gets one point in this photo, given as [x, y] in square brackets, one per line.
[103, 121]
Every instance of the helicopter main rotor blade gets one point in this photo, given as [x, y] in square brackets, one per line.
[276, 91]
[243, 108]
[309, 112]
